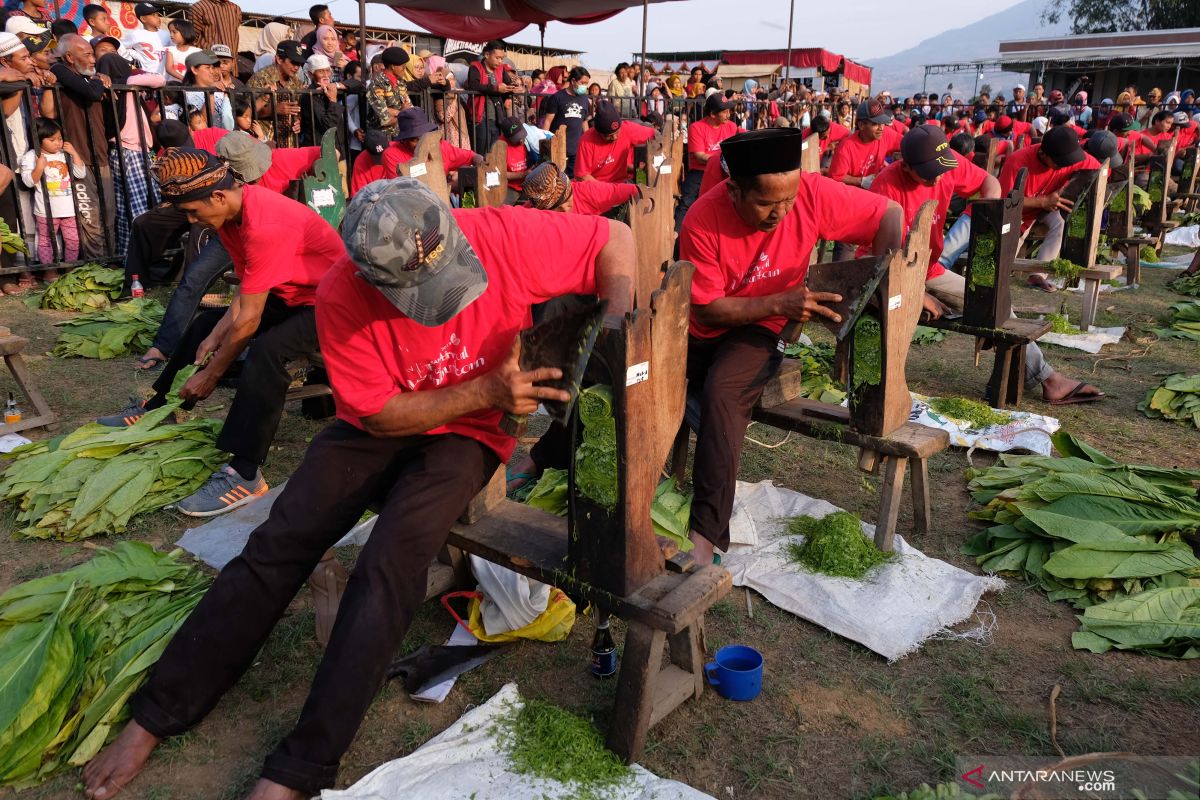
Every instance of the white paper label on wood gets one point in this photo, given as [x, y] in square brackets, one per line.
[658, 160]
[637, 373]
[1005, 227]
[322, 198]
[492, 179]
[894, 302]
[417, 171]
[804, 146]
[665, 170]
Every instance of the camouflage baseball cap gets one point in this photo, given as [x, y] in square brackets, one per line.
[408, 246]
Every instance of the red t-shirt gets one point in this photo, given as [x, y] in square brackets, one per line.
[964, 180]
[1140, 147]
[596, 197]
[705, 138]
[1187, 136]
[837, 132]
[1021, 129]
[207, 138]
[280, 246]
[1041, 180]
[899, 127]
[734, 260]
[288, 164]
[714, 174]
[373, 352]
[517, 160]
[452, 157]
[367, 169]
[858, 159]
[610, 161]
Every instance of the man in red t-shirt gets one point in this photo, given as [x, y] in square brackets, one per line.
[830, 134]
[368, 165]
[280, 250]
[1161, 129]
[1049, 166]
[411, 125]
[516, 156]
[750, 240]
[548, 188]
[930, 170]
[862, 156]
[606, 149]
[704, 142]
[418, 326]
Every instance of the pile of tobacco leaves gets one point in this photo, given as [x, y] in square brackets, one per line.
[1186, 284]
[1184, 322]
[112, 332]
[75, 645]
[816, 370]
[85, 288]
[1176, 398]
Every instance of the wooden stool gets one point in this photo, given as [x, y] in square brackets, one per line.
[11, 347]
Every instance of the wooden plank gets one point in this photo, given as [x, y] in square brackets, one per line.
[11, 345]
[668, 361]
[651, 221]
[672, 688]
[554, 148]
[641, 660]
[494, 164]
[44, 415]
[687, 602]
[439, 580]
[307, 392]
[687, 652]
[810, 154]
[910, 440]
[786, 384]
[889, 501]
[1015, 329]
[922, 517]
[427, 166]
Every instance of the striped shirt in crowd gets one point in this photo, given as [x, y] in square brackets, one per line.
[216, 22]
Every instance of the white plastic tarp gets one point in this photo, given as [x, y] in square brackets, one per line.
[468, 760]
[892, 611]
[1023, 431]
[1089, 342]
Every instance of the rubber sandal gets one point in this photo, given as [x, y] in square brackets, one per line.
[1074, 396]
[1042, 285]
[328, 583]
[150, 364]
[10, 288]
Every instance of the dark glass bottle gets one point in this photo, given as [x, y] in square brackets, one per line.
[604, 651]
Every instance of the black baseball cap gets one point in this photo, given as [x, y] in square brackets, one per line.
[293, 51]
[608, 119]
[513, 130]
[1120, 122]
[394, 56]
[1061, 144]
[1059, 116]
[1103, 144]
[926, 151]
[717, 103]
[873, 111]
[375, 142]
[146, 9]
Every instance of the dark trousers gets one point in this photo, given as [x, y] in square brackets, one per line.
[200, 273]
[688, 194]
[730, 371]
[150, 236]
[284, 334]
[423, 483]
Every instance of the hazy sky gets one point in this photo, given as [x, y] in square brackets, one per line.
[861, 29]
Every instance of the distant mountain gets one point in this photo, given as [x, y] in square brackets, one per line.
[903, 73]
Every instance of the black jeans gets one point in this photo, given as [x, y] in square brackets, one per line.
[201, 273]
[423, 484]
[730, 371]
[149, 237]
[284, 334]
[688, 194]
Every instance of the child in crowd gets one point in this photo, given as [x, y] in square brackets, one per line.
[245, 121]
[183, 44]
[50, 161]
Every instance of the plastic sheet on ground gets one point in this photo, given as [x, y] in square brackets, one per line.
[1186, 236]
[1105, 288]
[892, 611]
[219, 541]
[468, 760]
[1089, 342]
[1024, 430]
[11, 441]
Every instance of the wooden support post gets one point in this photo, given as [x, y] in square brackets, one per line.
[687, 653]
[889, 501]
[427, 166]
[640, 665]
[40, 415]
[554, 149]
[922, 515]
[491, 177]
[651, 217]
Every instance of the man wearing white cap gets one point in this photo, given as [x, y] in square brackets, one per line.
[319, 111]
[33, 10]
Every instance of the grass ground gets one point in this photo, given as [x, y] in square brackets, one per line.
[835, 720]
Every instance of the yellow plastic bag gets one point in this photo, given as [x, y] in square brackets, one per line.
[552, 625]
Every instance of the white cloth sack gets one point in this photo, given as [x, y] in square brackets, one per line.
[510, 600]
[468, 760]
[1187, 236]
[1089, 342]
[1023, 431]
[896, 608]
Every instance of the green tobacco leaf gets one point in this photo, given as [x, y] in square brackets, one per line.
[1128, 517]
[1068, 445]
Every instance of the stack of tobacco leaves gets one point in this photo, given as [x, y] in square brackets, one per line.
[816, 369]
[596, 458]
[1185, 322]
[85, 288]
[1084, 527]
[1186, 284]
[112, 332]
[75, 645]
[1177, 398]
[95, 479]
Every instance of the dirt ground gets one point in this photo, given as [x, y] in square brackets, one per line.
[835, 720]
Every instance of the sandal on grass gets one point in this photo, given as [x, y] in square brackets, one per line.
[1038, 282]
[1078, 395]
[150, 364]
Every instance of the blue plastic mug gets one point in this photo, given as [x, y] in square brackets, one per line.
[736, 673]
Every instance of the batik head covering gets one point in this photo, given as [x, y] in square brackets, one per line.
[546, 187]
[185, 174]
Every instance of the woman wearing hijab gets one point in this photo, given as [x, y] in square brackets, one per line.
[272, 34]
[329, 45]
[1187, 102]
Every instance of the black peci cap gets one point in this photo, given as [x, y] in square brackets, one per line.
[394, 56]
[1062, 145]
[763, 152]
[926, 151]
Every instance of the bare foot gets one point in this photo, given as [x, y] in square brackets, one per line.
[269, 790]
[119, 763]
[152, 359]
[1059, 388]
[702, 550]
[522, 473]
[1040, 280]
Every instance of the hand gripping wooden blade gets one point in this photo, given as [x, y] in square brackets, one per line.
[855, 280]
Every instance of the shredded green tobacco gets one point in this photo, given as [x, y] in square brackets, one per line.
[983, 262]
[834, 545]
[596, 458]
[868, 355]
[1147, 254]
[1060, 324]
[1064, 268]
[978, 415]
[547, 742]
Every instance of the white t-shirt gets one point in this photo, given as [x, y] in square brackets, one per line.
[147, 49]
[180, 54]
[57, 179]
